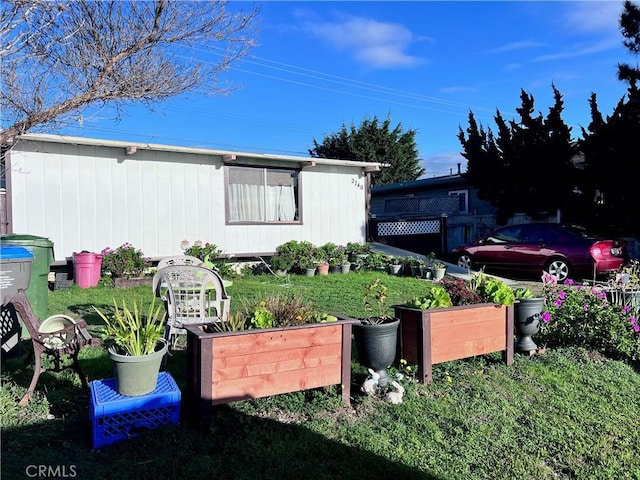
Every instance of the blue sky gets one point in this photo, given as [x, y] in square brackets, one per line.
[318, 65]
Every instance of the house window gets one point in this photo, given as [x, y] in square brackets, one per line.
[463, 199]
[262, 195]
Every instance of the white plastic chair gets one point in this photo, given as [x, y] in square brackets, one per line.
[192, 295]
[179, 260]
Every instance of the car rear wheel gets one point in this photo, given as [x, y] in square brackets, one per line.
[559, 268]
[465, 261]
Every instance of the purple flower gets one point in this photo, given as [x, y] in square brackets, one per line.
[585, 308]
[545, 317]
[568, 281]
[558, 303]
[626, 309]
[562, 295]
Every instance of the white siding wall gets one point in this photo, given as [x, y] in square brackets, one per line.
[88, 198]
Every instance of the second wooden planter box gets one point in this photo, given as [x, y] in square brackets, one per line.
[230, 366]
[428, 337]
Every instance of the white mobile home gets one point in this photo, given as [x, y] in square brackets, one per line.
[88, 194]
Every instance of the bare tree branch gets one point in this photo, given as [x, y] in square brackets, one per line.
[59, 59]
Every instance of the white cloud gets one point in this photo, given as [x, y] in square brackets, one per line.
[580, 51]
[594, 17]
[373, 43]
[510, 47]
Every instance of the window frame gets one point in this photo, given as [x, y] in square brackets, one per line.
[464, 192]
[264, 169]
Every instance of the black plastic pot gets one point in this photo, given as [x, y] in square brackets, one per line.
[527, 322]
[376, 346]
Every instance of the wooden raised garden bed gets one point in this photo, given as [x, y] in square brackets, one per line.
[428, 337]
[230, 366]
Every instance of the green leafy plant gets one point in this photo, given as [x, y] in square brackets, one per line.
[262, 317]
[414, 262]
[281, 262]
[496, 291]
[306, 262]
[235, 322]
[280, 310]
[210, 254]
[289, 253]
[375, 261]
[355, 248]
[395, 260]
[491, 289]
[522, 293]
[125, 261]
[375, 303]
[436, 297]
[132, 332]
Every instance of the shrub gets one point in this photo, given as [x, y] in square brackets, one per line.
[124, 261]
[289, 253]
[210, 254]
[582, 316]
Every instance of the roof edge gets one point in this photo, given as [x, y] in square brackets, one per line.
[54, 138]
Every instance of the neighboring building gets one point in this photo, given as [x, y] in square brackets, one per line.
[88, 194]
[432, 214]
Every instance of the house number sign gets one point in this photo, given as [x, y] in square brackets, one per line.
[357, 184]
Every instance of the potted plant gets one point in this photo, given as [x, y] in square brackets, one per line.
[337, 255]
[345, 266]
[414, 266]
[438, 270]
[281, 264]
[395, 265]
[322, 257]
[135, 344]
[357, 252]
[624, 288]
[308, 265]
[526, 321]
[124, 265]
[376, 336]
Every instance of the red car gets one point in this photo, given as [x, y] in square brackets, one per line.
[563, 251]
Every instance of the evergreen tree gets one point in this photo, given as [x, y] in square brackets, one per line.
[373, 141]
[630, 28]
[610, 147]
[612, 166]
[528, 166]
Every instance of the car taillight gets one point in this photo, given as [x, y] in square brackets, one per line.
[616, 251]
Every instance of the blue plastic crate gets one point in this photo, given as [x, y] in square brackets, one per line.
[116, 417]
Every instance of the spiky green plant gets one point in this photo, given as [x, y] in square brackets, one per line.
[131, 331]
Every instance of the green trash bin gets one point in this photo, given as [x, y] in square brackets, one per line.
[42, 249]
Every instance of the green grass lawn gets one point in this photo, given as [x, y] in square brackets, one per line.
[567, 414]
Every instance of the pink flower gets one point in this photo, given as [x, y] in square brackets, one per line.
[545, 316]
[568, 281]
[626, 309]
[548, 278]
[562, 295]
[558, 302]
